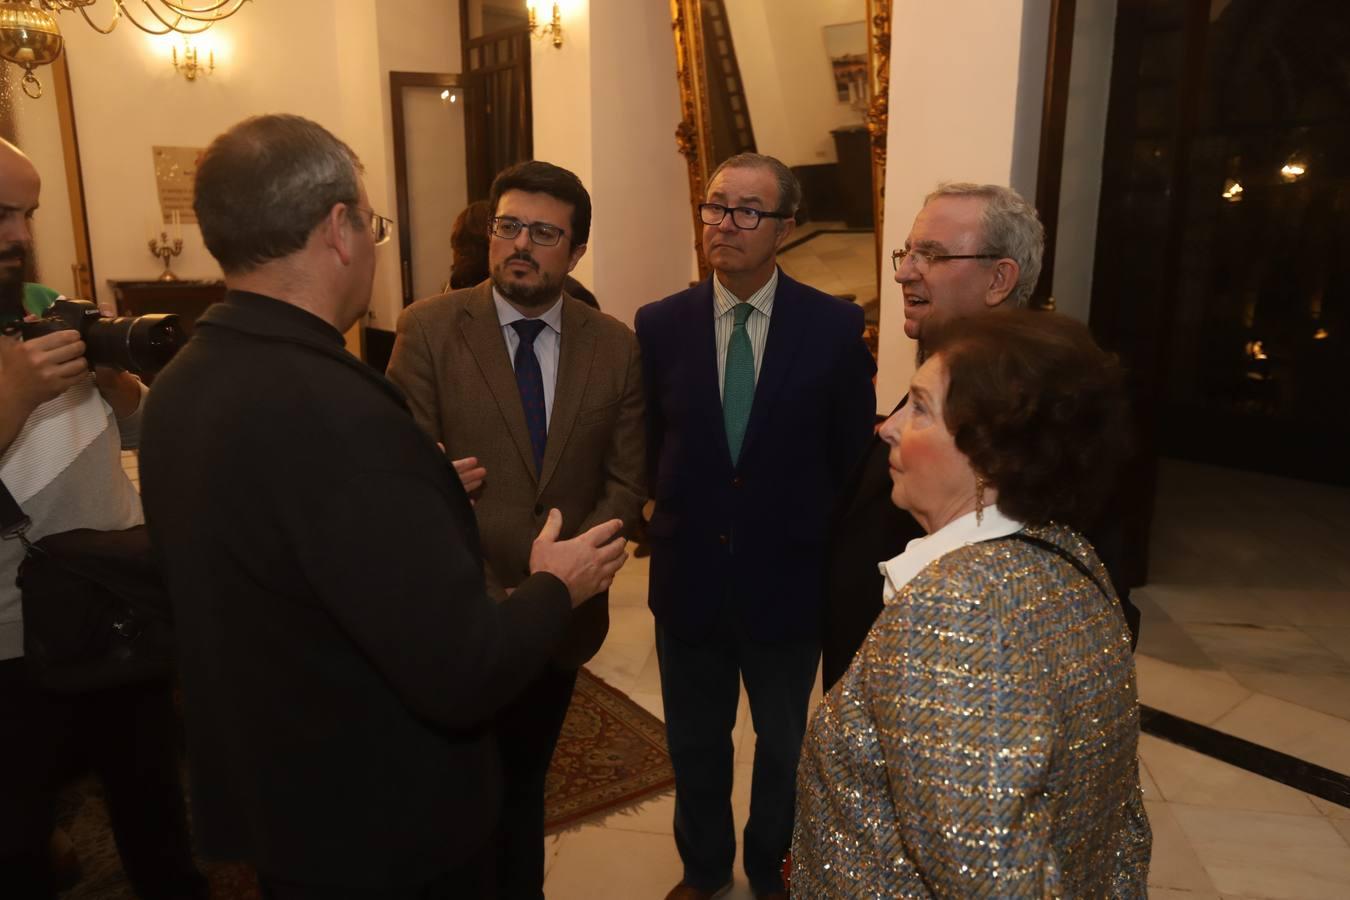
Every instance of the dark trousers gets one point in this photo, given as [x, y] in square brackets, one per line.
[527, 733]
[126, 736]
[700, 687]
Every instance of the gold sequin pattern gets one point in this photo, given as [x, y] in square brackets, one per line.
[983, 743]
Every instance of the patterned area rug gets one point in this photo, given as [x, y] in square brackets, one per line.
[612, 755]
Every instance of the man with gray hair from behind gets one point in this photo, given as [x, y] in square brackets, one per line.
[972, 248]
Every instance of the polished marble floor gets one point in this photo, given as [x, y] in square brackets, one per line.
[1246, 629]
[839, 264]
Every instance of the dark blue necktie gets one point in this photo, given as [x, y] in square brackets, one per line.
[530, 381]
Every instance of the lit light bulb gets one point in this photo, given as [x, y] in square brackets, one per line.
[1232, 190]
[1293, 170]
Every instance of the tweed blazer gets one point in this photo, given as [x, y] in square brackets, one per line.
[983, 742]
[451, 361]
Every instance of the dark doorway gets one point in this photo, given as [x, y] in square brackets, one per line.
[1223, 245]
[500, 128]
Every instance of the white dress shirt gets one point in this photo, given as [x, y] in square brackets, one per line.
[546, 347]
[757, 326]
[918, 553]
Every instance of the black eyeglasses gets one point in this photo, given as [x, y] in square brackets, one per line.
[381, 227]
[743, 217]
[541, 233]
[923, 259]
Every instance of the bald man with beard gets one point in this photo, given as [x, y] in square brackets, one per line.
[62, 429]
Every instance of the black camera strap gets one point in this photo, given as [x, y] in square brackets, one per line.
[13, 521]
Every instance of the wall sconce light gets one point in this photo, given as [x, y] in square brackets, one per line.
[1232, 190]
[1294, 169]
[189, 66]
[554, 27]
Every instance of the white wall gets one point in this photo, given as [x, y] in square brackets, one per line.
[957, 72]
[605, 106]
[38, 133]
[323, 60]
[1084, 139]
[413, 36]
[789, 83]
[561, 105]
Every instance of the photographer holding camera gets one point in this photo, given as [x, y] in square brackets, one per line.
[61, 433]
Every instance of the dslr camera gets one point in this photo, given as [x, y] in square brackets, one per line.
[139, 344]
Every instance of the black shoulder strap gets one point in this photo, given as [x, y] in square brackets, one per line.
[1063, 554]
[13, 522]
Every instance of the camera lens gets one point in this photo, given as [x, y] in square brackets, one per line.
[140, 344]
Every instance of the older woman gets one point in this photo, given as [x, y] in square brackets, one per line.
[983, 743]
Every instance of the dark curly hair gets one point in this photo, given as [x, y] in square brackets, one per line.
[537, 177]
[1039, 410]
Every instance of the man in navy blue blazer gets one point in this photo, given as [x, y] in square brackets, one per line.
[759, 402]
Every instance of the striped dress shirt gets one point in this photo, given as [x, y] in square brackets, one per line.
[757, 326]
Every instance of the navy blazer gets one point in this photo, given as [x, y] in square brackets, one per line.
[745, 544]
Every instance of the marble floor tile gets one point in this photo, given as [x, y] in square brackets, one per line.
[1328, 694]
[652, 703]
[630, 624]
[1155, 893]
[1268, 854]
[1146, 783]
[1162, 638]
[1184, 776]
[1313, 610]
[1198, 695]
[1331, 810]
[599, 863]
[649, 678]
[619, 664]
[1309, 735]
[1174, 863]
[1186, 603]
[1337, 640]
[655, 815]
[1342, 826]
[1266, 648]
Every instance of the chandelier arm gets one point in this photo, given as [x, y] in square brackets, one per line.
[175, 26]
[200, 13]
[117, 15]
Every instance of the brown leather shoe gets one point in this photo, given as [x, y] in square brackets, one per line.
[684, 891]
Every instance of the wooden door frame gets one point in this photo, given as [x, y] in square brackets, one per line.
[397, 82]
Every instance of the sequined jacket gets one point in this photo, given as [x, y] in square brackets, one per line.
[983, 743]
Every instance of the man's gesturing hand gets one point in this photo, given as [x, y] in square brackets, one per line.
[586, 563]
[43, 368]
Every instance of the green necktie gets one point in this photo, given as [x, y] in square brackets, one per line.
[738, 388]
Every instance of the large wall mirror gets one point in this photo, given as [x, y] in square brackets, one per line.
[44, 129]
[805, 81]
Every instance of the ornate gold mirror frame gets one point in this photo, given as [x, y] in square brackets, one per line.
[693, 135]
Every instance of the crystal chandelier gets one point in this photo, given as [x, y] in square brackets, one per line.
[30, 37]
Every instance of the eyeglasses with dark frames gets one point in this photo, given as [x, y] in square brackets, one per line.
[541, 233]
[923, 259]
[381, 227]
[743, 217]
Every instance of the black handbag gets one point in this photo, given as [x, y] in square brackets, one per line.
[96, 612]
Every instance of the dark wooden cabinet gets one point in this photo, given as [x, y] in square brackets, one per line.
[189, 299]
[854, 148]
